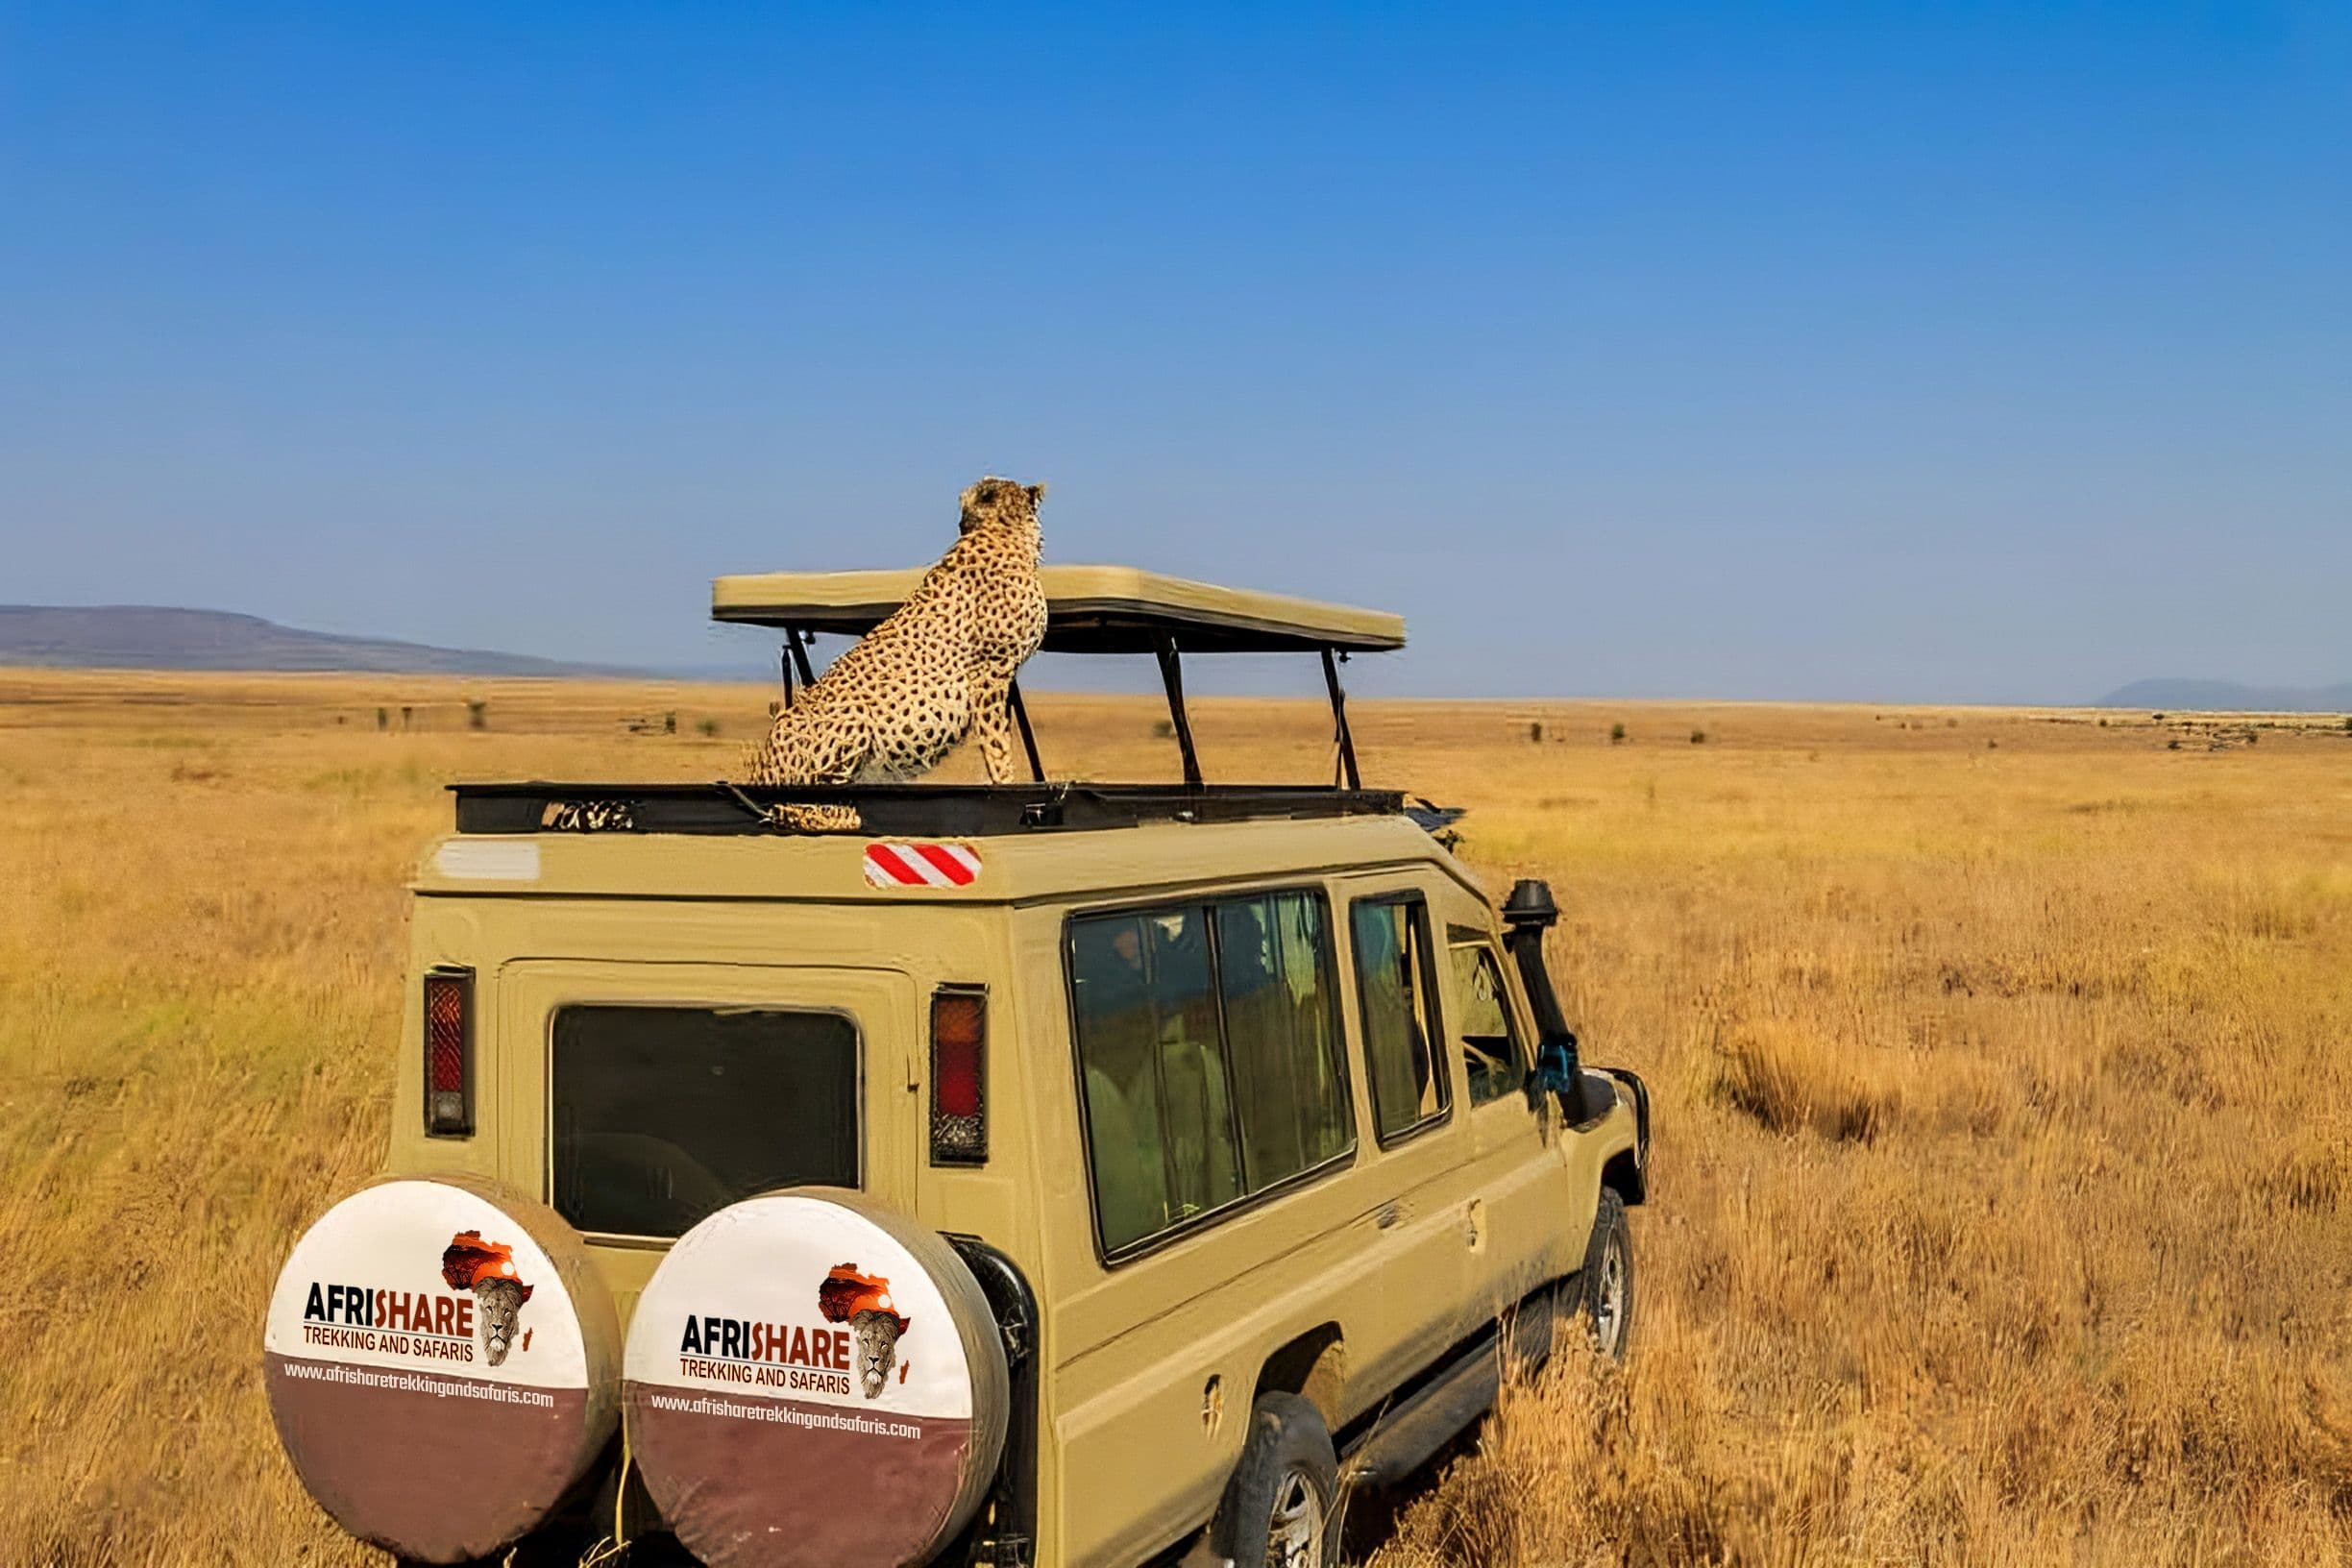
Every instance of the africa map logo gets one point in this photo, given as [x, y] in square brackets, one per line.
[487, 1269]
[862, 1301]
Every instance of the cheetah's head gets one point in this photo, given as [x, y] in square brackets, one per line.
[1000, 503]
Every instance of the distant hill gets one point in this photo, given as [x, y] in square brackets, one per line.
[150, 637]
[2229, 696]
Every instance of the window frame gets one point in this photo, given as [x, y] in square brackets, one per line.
[1205, 901]
[1442, 1064]
[631, 1239]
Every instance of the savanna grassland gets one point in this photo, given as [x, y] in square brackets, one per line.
[2003, 1207]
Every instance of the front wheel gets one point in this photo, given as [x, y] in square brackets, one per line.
[1604, 1289]
[1279, 1505]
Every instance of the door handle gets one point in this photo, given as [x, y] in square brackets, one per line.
[1389, 1215]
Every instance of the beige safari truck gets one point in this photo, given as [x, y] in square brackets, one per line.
[1049, 1173]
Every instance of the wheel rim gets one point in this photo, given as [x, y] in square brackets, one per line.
[1610, 1299]
[1294, 1536]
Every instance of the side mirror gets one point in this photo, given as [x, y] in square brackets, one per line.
[1555, 1074]
[1556, 1066]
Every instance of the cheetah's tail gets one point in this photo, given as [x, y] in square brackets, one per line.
[803, 818]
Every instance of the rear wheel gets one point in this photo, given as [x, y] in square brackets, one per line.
[1605, 1290]
[1279, 1505]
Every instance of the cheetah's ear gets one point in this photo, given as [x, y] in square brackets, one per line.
[1037, 493]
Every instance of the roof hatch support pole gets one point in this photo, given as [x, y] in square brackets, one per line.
[1347, 773]
[1021, 722]
[795, 658]
[1171, 676]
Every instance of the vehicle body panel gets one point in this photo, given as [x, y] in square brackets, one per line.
[1393, 1254]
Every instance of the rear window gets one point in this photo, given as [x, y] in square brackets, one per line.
[662, 1116]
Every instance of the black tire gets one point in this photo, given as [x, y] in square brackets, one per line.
[1604, 1287]
[1288, 1454]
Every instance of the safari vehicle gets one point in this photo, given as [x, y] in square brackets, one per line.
[1050, 1173]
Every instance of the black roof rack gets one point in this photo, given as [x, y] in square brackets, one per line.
[929, 810]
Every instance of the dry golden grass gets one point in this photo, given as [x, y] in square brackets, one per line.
[2004, 1205]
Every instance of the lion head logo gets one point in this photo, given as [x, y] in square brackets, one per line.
[487, 1269]
[862, 1301]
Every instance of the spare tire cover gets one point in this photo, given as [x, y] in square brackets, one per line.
[813, 1379]
[443, 1364]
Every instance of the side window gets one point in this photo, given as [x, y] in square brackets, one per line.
[1208, 1056]
[1274, 976]
[1158, 1117]
[1393, 974]
[1491, 1043]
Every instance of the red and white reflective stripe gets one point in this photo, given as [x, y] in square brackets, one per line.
[921, 865]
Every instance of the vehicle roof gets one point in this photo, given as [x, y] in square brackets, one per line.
[1089, 609]
[834, 868]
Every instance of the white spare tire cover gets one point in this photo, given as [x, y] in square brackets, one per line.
[442, 1364]
[813, 1379]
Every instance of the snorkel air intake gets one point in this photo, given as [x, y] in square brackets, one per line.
[1527, 915]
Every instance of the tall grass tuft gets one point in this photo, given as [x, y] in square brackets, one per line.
[1790, 1079]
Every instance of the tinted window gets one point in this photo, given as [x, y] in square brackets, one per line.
[1408, 1081]
[1209, 1057]
[1489, 1041]
[1157, 1114]
[666, 1115]
[1273, 976]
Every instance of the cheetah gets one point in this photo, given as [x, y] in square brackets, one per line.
[938, 668]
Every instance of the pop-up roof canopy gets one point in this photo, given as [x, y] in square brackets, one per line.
[1089, 609]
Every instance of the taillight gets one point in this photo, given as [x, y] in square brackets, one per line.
[449, 1053]
[958, 1075]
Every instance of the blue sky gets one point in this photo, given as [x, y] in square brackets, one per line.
[1880, 351]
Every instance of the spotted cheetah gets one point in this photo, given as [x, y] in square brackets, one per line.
[938, 668]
